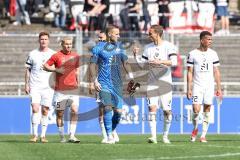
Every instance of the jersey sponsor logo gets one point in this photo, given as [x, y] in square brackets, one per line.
[156, 54]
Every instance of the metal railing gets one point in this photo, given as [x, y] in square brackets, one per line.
[18, 86]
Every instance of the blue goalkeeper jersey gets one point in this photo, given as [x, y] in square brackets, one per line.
[109, 58]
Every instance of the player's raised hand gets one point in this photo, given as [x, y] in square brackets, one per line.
[136, 50]
[97, 85]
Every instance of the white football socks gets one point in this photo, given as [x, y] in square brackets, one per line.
[35, 122]
[167, 124]
[61, 131]
[44, 123]
[73, 127]
[104, 133]
[195, 120]
[206, 116]
[153, 124]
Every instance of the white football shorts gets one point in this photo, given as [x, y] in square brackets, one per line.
[203, 95]
[58, 97]
[42, 96]
[163, 101]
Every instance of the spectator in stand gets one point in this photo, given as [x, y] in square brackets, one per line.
[12, 7]
[21, 13]
[129, 17]
[222, 11]
[102, 10]
[37, 5]
[96, 10]
[2, 8]
[89, 8]
[60, 12]
[145, 16]
[163, 12]
[133, 10]
[6, 6]
[30, 6]
[79, 18]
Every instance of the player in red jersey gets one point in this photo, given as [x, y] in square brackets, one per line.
[65, 64]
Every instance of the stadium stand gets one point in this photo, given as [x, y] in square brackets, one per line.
[14, 52]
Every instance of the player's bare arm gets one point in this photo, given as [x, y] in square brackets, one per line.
[136, 54]
[49, 68]
[161, 62]
[135, 51]
[128, 69]
[93, 77]
[77, 75]
[27, 76]
[217, 77]
[189, 82]
[91, 87]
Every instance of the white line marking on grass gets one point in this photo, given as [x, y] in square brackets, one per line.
[187, 157]
[219, 146]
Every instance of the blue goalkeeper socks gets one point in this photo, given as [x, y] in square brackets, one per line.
[107, 119]
[115, 119]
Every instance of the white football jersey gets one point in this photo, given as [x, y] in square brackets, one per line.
[203, 64]
[165, 51]
[39, 78]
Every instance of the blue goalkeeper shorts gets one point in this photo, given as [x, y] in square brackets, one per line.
[111, 97]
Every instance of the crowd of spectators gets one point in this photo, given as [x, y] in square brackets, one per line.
[132, 15]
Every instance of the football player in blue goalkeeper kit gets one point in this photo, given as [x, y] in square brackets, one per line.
[109, 56]
[101, 38]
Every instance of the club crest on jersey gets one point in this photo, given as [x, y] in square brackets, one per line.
[63, 60]
[71, 59]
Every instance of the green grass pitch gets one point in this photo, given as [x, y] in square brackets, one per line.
[130, 147]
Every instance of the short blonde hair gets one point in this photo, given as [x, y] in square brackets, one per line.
[110, 28]
[65, 39]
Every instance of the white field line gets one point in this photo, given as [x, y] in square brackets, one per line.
[187, 157]
[219, 146]
[192, 157]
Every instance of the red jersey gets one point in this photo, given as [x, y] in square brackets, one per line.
[177, 71]
[69, 63]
